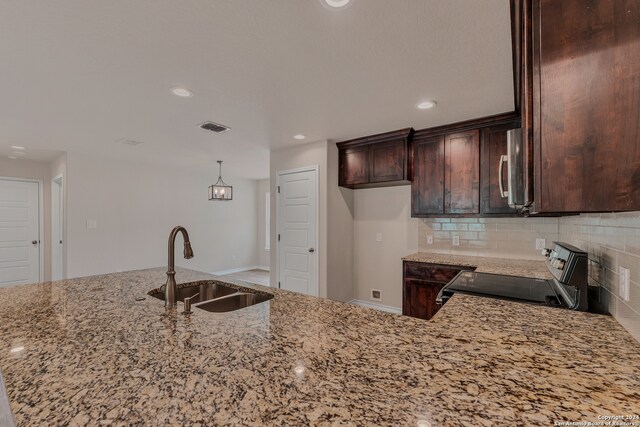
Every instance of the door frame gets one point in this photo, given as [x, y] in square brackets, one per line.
[41, 237]
[61, 225]
[311, 168]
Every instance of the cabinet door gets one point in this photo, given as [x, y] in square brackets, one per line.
[421, 297]
[586, 130]
[427, 186]
[354, 166]
[494, 146]
[462, 173]
[387, 161]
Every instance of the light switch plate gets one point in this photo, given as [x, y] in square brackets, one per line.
[456, 240]
[378, 237]
[92, 223]
[623, 285]
[429, 239]
[541, 244]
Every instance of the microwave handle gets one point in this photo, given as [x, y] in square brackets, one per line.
[503, 159]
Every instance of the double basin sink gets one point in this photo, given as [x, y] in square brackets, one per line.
[211, 295]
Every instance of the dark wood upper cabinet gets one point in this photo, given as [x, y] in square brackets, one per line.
[455, 167]
[580, 102]
[462, 172]
[354, 166]
[375, 161]
[427, 187]
[493, 145]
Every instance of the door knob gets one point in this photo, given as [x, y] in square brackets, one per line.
[34, 242]
[311, 250]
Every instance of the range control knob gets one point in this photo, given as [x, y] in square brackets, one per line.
[546, 252]
[560, 264]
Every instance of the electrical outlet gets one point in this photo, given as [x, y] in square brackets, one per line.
[376, 294]
[429, 239]
[623, 284]
[378, 237]
[92, 223]
[456, 240]
[541, 244]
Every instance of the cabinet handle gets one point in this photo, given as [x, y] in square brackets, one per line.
[503, 194]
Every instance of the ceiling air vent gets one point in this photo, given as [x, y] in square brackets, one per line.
[131, 142]
[214, 127]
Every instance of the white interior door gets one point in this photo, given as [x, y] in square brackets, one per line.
[19, 232]
[297, 231]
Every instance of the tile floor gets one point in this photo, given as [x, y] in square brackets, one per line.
[257, 276]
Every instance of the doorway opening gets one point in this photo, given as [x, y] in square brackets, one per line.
[57, 228]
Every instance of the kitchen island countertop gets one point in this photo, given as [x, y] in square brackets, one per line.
[92, 354]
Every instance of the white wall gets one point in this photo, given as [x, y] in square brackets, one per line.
[22, 168]
[136, 205]
[263, 252]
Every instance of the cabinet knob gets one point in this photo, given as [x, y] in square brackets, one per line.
[311, 250]
[34, 242]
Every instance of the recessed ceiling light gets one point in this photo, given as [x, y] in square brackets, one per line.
[426, 105]
[12, 157]
[17, 147]
[299, 136]
[18, 153]
[336, 4]
[182, 92]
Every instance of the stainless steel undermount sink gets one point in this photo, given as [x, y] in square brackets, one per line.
[233, 302]
[215, 297]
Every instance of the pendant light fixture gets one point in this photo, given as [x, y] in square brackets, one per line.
[220, 190]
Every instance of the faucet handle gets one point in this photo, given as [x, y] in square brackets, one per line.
[187, 303]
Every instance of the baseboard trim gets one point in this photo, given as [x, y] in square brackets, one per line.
[263, 267]
[239, 269]
[381, 307]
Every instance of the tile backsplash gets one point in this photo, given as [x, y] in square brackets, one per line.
[612, 241]
[496, 237]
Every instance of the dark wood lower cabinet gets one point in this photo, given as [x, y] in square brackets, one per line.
[421, 284]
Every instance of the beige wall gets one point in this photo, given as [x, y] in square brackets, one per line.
[136, 205]
[378, 264]
[21, 168]
[496, 237]
[612, 241]
[263, 252]
[340, 242]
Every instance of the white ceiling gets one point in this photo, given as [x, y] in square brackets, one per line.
[82, 74]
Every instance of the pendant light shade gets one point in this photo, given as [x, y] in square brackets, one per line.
[220, 190]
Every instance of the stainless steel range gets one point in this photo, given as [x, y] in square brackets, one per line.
[568, 289]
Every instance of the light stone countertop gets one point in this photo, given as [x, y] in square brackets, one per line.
[93, 355]
[506, 266]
